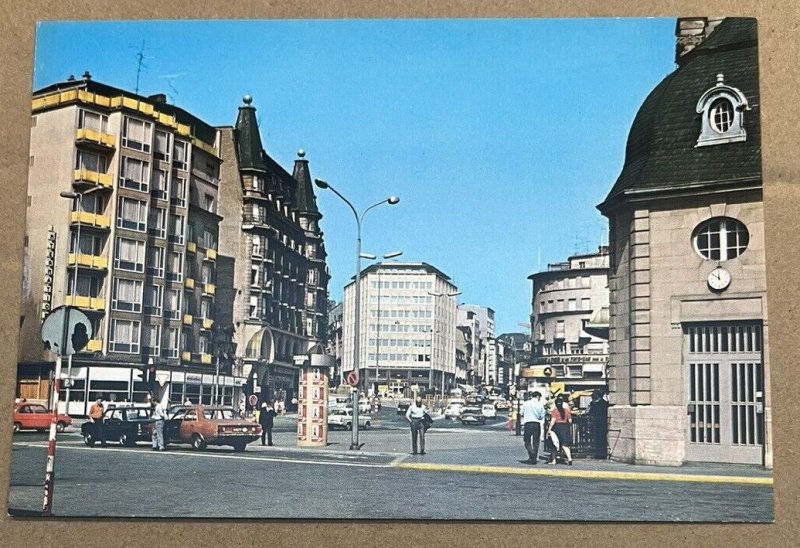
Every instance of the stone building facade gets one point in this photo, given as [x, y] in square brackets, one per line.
[689, 361]
[566, 297]
[275, 289]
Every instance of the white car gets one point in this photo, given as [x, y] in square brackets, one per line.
[488, 411]
[453, 410]
[343, 418]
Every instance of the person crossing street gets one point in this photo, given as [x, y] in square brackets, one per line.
[416, 415]
[532, 419]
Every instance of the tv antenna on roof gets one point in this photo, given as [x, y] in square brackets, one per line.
[139, 65]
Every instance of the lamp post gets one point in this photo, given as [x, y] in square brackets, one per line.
[378, 322]
[435, 295]
[77, 198]
[391, 200]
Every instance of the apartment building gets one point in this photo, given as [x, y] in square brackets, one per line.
[134, 247]
[481, 321]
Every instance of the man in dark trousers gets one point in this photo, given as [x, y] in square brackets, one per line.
[532, 419]
[265, 419]
[416, 416]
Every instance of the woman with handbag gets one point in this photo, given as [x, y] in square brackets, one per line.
[561, 426]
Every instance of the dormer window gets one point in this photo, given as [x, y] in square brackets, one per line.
[722, 115]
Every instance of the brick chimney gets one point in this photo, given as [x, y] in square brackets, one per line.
[690, 32]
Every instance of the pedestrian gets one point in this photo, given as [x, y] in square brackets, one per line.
[561, 425]
[160, 417]
[532, 421]
[265, 419]
[96, 416]
[416, 415]
[598, 411]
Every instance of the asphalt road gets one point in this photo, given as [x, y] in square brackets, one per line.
[284, 482]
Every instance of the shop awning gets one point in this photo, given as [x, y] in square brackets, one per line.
[260, 346]
[598, 325]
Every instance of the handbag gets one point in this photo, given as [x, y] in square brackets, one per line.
[554, 440]
[427, 421]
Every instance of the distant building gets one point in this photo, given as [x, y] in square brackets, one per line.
[408, 327]
[146, 257]
[276, 288]
[689, 361]
[566, 298]
[468, 324]
[487, 352]
[334, 343]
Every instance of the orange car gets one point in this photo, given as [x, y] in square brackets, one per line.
[35, 416]
[203, 425]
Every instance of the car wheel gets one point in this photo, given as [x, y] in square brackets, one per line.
[366, 425]
[17, 427]
[348, 426]
[88, 439]
[239, 446]
[60, 427]
[197, 442]
[125, 439]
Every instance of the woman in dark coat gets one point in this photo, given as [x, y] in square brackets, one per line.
[561, 424]
[265, 419]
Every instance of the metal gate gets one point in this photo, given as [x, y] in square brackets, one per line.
[725, 393]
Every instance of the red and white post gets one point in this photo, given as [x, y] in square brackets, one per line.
[49, 478]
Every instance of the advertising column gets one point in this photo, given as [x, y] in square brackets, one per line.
[312, 418]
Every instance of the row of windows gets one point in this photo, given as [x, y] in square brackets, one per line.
[562, 305]
[400, 328]
[417, 343]
[401, 314]
[568, 283]
[394, 357]
[400, 285]
[401, 299]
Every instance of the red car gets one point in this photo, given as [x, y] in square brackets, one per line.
[34, 416]
[203, 425]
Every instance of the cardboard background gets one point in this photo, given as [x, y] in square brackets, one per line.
[779, 48]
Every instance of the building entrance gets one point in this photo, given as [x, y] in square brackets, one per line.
[725, 393]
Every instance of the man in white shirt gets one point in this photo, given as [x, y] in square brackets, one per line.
[160, 417]
[416, 415]
[532, 419]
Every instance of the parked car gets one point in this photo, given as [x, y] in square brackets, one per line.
[501, 404]
[35, 416]
[343, 418]
[453, 410]
[402, 406]
[364, 406]
[471, 414]
[203, 425]
[488, 411]
[125, 425]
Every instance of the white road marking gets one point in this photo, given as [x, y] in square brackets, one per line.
[215, 456]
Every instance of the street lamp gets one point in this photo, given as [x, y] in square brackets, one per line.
[391, 255]
[435, 295]
[391, 200]
[77, 198]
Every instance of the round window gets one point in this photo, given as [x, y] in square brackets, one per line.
[721, 115]
[720, 238]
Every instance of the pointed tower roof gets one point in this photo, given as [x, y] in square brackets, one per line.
[305, 199]
[248, 142]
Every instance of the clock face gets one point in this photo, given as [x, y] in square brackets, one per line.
[719, 279]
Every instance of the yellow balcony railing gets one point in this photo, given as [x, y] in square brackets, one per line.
[191, 247]
[209, 289]
[205, 147]
[187, 319]
[205, 358]
[94, 345]
[184, 130]
[81, 301]
[186, 356]
[88, 176]
[89, 261]
[96, 137]
[92, 219]
[207, 323]
[189, 283]
[211, 254]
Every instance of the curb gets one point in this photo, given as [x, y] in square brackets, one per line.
[587, 474]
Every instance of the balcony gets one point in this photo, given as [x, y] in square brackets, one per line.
[90, 219]
[94, 345]
[85, 302]
[187, 319]
[211, 254]
[191, 247]
[207, 323]
[189, 283]
[186, 356]
[89, 261]
[206, 359]
[93, 177]
[96, 138]
[209, 289]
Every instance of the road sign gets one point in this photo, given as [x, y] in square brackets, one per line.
[556, 388]
[352, 378]
[78, 332]
[252, 400]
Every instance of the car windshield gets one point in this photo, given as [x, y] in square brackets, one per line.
[137, 414]
[219, 414]
[37, 409]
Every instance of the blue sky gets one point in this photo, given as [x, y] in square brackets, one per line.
[499, 136]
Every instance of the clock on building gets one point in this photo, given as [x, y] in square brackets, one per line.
[719, 279]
